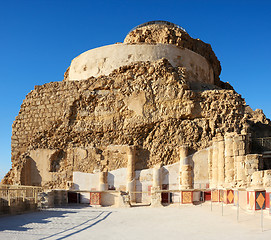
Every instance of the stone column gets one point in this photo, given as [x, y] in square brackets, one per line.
[183, 151]
[183, 154]
[239, 151]
[214, 165]
[156, 186]
[156, 182]
[221, 162]
[131, 171]
[185, 169]
[186, 177]
[103, 181]
[229, 160]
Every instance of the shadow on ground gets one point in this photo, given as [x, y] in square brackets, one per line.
[18, 222]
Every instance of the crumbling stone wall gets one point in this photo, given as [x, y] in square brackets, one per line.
[173, 35]
[231, 163]
[89, 123]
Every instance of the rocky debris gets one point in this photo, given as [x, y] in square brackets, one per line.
[157, 33]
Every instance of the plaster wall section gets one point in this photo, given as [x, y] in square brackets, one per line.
[170, 176]
[110, 199]
[86, 181]
[200, 170]
[103, 60]
[117, 179]
[144, 182]
[40, 166]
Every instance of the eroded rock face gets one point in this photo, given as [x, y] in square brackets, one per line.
[156, 105]
[156, 33]
[90, 123]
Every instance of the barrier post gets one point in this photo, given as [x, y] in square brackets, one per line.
[262, 219]
[238, 209]
[222, 206]
[8, 197]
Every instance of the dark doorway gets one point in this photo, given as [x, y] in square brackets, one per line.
[166, 196]
[73, 197]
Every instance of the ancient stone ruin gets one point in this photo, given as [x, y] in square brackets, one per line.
[154, 103]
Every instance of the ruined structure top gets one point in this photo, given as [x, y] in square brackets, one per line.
[155, 32]
[157, 22]
[151, 101]
[150, 42]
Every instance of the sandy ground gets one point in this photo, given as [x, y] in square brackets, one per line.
[172, 222]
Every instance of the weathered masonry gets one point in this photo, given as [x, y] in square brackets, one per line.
[143, 116]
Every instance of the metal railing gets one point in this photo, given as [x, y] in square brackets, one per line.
[260, 145]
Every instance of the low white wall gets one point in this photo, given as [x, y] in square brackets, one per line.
[169, 180]
[109, 199]
[103, 60]
[116, 179]
[200, 169]
[171, 176]
[84, 197]
[86, 181]
[143, 184]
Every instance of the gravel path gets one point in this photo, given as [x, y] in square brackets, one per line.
[173, 222]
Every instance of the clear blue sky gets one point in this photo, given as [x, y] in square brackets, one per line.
[39, 38]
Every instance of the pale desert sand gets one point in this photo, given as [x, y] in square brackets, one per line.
[173, 222]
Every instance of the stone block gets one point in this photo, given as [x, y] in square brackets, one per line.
[267, 178]
[257, 179]
[156, 197]
[228, 151]
[241, 152]
[252, 157]
[124, 199]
